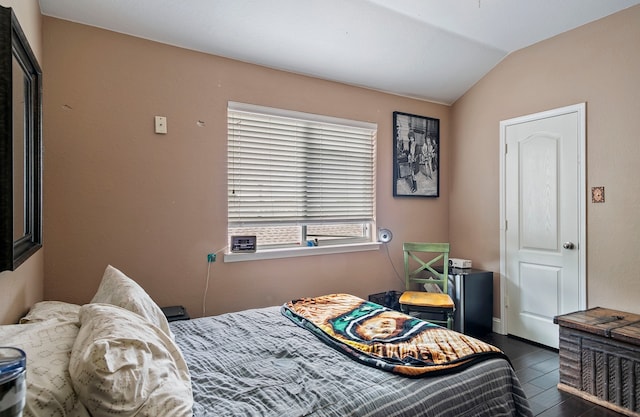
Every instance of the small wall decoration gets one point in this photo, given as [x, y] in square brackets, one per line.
[416, 156]
[597, 194]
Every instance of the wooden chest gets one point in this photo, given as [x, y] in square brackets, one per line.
[600, 357]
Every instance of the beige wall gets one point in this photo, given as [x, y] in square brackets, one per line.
[598, 64]
[155, 205]
[21, 288]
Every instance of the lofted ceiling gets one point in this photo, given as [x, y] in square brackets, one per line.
[427, 49]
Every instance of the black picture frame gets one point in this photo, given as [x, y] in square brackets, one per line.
[416, 156]
[20, 145]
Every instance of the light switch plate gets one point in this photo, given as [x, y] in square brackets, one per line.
[161, 124]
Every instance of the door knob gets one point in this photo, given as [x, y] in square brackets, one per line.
[568, 245]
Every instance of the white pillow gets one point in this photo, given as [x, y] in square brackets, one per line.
[121, 365]
[48, 346]
[118, 289]
[52, 310]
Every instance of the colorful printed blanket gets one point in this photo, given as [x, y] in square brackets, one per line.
[387, 339]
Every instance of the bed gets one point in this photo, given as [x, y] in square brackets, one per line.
[118, 356]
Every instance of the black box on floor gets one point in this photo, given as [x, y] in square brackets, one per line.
[175, 313]
[388, 299]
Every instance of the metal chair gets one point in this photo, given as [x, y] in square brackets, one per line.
[435, 304]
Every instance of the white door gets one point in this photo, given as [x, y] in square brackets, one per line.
[543, 194]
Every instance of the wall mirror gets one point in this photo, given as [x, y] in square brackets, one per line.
[20, 145]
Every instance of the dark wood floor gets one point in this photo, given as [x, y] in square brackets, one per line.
[537, 369]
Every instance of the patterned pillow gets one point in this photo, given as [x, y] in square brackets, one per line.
[118, 289]
[52, 310]
[48, 346]
[121, 365]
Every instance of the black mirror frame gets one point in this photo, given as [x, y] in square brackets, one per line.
[13, 43]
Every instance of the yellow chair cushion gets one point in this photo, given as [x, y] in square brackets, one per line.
[426, 299]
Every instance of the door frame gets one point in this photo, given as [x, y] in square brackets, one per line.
[580, 109]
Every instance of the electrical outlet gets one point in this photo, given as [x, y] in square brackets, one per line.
[211, 257]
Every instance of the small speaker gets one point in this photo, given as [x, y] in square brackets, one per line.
[385, 235]
[241, 244]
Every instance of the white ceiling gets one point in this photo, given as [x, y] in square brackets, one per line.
[428, 49]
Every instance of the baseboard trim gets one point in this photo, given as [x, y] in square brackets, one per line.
[497, 326]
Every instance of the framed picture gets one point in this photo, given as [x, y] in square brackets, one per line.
[416, 156]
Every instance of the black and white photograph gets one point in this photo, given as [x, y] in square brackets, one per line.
[416, 156]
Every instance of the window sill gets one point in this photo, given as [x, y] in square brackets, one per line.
[301, 251]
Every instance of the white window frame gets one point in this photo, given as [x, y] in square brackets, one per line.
[369, 242]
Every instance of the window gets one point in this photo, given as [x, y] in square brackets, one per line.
[297, 179]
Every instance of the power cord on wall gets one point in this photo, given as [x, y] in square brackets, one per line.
[386, 246]
[211, 258]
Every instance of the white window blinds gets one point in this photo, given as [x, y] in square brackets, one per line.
[296, 168]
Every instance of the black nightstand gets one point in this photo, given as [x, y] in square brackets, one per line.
[175, 313]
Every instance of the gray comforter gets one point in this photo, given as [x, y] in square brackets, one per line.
[259, 363]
